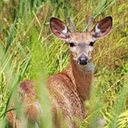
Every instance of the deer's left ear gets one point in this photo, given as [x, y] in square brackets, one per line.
[59, 28]
[102, 28]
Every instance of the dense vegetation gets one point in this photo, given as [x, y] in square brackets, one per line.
[28, 50]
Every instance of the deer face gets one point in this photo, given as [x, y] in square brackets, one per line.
[81, 47]
[81, 43]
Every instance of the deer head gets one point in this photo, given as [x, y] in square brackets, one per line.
[81, 43]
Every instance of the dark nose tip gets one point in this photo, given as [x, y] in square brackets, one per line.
[82, 60]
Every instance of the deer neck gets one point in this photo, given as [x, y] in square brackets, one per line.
[82, 78]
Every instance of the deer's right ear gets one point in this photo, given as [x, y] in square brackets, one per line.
[59, 29]
[103, 27]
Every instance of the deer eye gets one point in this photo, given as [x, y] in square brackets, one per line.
[72, 44]
[91, 43]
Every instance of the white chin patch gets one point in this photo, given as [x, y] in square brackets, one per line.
[97, 30]
[90, 67]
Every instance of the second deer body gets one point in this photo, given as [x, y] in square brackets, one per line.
[70, 88]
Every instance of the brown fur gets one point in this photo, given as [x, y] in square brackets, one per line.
[30, 104]
[70, 88]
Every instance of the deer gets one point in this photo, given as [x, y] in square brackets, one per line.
[70, 88]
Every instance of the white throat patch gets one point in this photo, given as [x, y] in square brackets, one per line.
[90, 67]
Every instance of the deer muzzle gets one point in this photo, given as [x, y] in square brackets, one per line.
[82, 60]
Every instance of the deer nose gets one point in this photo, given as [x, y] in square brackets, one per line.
[82, 59]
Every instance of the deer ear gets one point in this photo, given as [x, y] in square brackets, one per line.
[59, 28]
[102, 28]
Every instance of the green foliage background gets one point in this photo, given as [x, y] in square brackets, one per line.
[28, 50]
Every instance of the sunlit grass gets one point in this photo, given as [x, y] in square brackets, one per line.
[29, 51]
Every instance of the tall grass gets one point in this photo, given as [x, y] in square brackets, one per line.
[29, 51]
